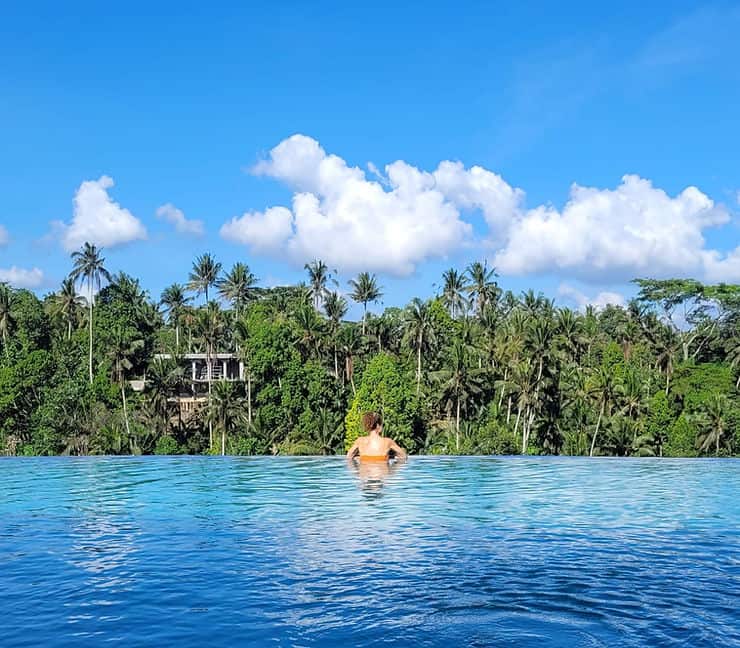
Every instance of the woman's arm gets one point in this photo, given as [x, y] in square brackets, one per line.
[397, 450]
[353, 450]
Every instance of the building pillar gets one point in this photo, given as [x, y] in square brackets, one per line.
[225, 365]
[241, 370]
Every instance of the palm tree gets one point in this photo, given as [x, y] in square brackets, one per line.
[335, 307]
[238, 286]
[453, 292]
[225, 410]
[244, 352]
[164, 377]
[89, 267]
[204, 274]
[174, 301]
[122, 348]
[459, 383]
[365, 289]
[714, 428]
[318, 277]
[482, 287]
[6, 315]
[66, 304]
[605, 388]
[310, 328]
[733, 357]
[419, 332]
[351, 345]
[210, 326]
[328, 431]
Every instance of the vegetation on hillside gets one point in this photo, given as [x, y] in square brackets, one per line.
[472, 370]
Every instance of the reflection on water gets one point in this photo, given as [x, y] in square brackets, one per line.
[439, 551]
[374, 474]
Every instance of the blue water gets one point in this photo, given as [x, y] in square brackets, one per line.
[447, 552]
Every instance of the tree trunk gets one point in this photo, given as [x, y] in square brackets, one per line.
[364, 316]
[177, 337]
[508, 410]
[518, 415]
[596, 431]
[418, 367]
[69, 329]
[125, 409]
[336, 363]
[223, 440]
[208, 375]
[249, 397]
[90, 334]
[457, 426]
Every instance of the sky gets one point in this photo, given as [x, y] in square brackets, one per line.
[573, 146]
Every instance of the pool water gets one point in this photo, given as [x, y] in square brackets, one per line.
[157, 551]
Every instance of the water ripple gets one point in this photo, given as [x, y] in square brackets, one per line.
[444, 551]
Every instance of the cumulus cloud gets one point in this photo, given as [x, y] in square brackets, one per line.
[599, 301]
[21, 277]
[262, 231]
[98, 219]
[405, 215]
[175, 217]
[4, 236]
[354, 223]
[633, 230]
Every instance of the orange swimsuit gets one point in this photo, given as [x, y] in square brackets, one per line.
[373, 457]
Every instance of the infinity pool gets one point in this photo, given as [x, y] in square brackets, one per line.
[309, 552]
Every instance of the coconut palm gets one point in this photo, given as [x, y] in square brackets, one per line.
[6, 314]
[482, 287]
[328, 431]
[335, 307]
[174, 301]
[66, 304]
[122, 348]
[210, 327]
[459, 383]
[310, 328]
[225, 410]
[733, 357]
[713, 424]
[453, 292]
[204, 274]
[365, 289]
[604, 387]
[419, 332]
[89, 267]
[163, 378]
[237, 287]
[318, 278]
[351, 346]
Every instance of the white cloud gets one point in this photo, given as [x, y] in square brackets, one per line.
[633, 230]
[4, 236]
[174, 216]
[395, 219]
[21, 278]
[98, 219]
[354, 223]
[262, 231]
[600, 301]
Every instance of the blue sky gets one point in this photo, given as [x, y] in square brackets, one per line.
[184, 106]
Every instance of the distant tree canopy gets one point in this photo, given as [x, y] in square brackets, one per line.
[473, 369]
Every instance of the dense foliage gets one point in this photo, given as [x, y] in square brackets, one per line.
[472, 370]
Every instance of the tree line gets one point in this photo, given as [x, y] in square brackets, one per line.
[472, 370]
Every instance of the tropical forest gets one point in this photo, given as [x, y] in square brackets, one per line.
[100, 367]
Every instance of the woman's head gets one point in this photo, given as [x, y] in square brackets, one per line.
[372, 421]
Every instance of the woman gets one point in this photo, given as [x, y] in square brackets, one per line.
[374, 446]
